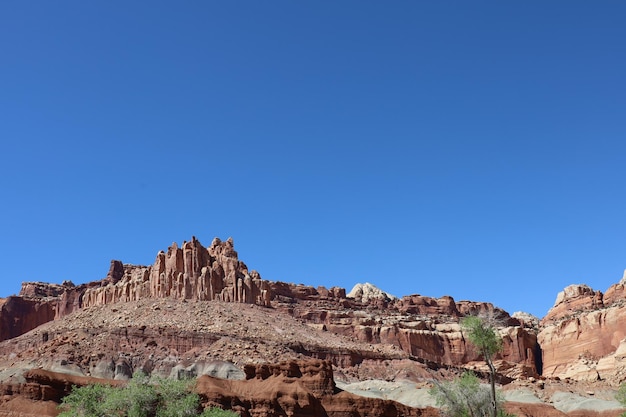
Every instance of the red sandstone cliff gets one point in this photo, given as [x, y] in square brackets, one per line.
[192, 272]
[19, 315]
[582, 336]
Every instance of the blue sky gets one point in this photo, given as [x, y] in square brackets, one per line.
[472, 149]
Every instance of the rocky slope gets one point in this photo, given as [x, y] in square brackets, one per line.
[200, 311]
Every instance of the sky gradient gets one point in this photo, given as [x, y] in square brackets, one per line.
[471, 149]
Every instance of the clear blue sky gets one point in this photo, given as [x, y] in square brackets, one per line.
[472, 149]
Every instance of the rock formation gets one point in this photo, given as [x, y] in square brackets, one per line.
[295, 388]
[304, 388]
[19, 315]
[192, 272]
[582, 336]
[199, 311]
[423, 327]
[40, 393]
[368, 292]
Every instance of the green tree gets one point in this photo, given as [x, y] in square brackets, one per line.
[481, 332]
[140, 397]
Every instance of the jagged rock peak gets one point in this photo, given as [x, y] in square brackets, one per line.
[623, 280]
[366, 292]
[190, 271]
[572, 292]
[574, 298]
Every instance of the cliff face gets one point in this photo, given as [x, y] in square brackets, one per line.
[19, 315]
[295, 388]
[425, 328]
[192, 272]
[582, 336]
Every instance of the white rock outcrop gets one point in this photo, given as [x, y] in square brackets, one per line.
[366, 292]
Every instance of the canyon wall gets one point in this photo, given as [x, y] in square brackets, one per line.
[582, 336]
[424, 327]
[19, 315]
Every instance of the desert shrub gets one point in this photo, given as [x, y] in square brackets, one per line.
[140, 397]
[482, 333]
[218, 412]
[466, 397]
[621, 397]
[87, 401]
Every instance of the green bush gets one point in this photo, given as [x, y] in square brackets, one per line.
[140, 397]
[621, 397]
[218, 412]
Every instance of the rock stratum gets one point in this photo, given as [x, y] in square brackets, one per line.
[582, 336]
[199, 311]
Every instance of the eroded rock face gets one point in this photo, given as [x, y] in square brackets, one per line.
[582, 336]
[192, 272]
[20, 314]
[423, 327]
[297, 388]
[294, 388]
[573, 299]
[40, 392]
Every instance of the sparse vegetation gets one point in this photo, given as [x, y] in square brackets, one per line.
[465, 397]
[141, 397]
[621, 397]
[481, 332]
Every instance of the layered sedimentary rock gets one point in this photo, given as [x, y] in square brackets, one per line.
[20, 314]
[297, 388]
[140, 317]
[192, 272]
[40, 393]
[294, 388]
[426, 328]
[582, 336]
[423, 327]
